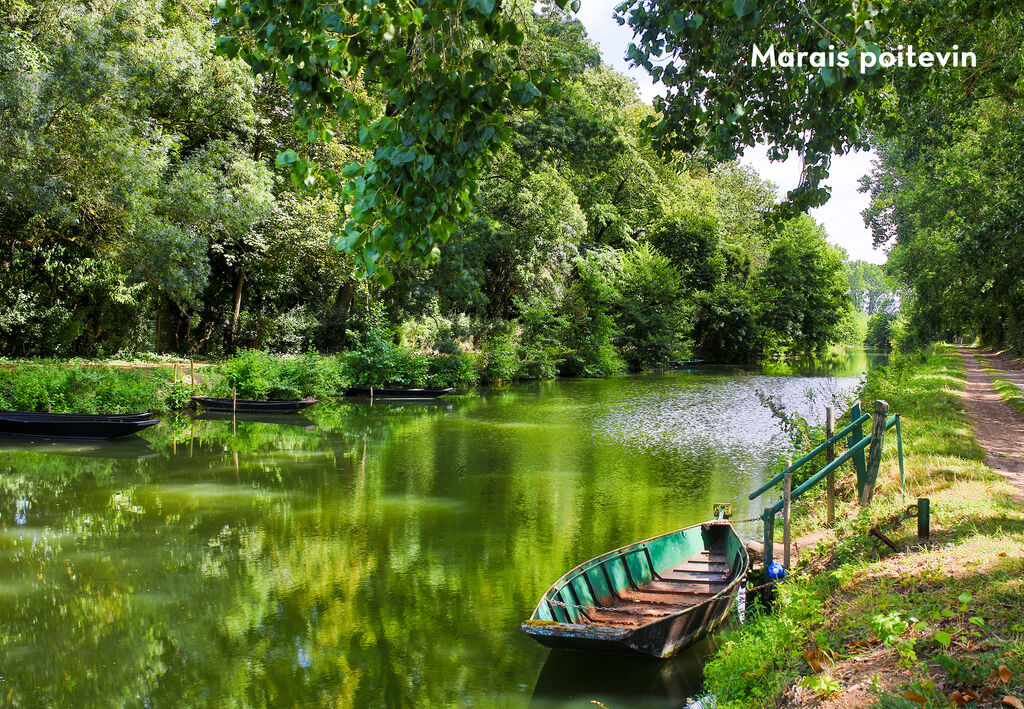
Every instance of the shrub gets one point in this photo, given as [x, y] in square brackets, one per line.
[88, 389]
[257, 375]
[457, 370]
[377, 360]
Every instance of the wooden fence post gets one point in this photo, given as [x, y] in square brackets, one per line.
[830, 455]
[875, 454]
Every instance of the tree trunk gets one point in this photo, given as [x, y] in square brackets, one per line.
[159, 311]
[237, 309]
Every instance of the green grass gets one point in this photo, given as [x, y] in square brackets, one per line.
[927, 621]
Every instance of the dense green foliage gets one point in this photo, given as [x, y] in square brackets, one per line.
[880, 331]
[953, 216]
[88, 389]
[254, 375]
[720, 101]
[142, 209]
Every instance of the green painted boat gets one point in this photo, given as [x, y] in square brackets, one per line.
[654, 597]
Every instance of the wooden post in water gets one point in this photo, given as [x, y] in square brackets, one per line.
[830, 455]
[234, 409]
[787, 505]
[875, 454]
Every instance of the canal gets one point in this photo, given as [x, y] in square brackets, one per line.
[369, 555]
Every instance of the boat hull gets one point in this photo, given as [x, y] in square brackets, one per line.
[252, 406]
[397, 393]
[72, 426]
[616, 602]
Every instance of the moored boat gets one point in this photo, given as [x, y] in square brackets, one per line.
[652, 597]
[45, 425]
[253, 405]
[397, 392]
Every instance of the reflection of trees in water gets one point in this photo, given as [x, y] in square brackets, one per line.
[384, 558]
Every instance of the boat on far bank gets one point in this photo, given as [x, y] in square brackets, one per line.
[397, 392]
[253, 406]
[653, 597]
[35, 424]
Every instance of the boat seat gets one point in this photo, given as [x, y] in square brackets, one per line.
[686, 585]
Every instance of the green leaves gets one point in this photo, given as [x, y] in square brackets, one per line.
[286, 158]
[441, 124]
[742, 8]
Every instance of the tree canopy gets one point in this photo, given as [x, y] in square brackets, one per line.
[147, 207]
[718, 101]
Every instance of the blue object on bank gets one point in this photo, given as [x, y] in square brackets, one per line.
[776, 571]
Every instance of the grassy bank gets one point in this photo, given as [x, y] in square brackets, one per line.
[931, 625]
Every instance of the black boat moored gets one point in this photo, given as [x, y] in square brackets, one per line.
[45, 425]
[252, 406]
[397, 392]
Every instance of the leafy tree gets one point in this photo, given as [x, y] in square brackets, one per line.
[726, 325]
[648, 308]
[803, 288]
[589, 330]
[880, 331]
[719, 101]
[444, 75]
[870, 288]
[691, 242]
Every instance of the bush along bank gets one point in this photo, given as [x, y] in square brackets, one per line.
[938, 624]
[377, 360]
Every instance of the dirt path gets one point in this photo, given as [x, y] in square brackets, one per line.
[998, 428]
[1013, 369]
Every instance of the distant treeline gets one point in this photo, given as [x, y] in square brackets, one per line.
[141, 211]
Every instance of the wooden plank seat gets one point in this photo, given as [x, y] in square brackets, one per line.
[686, 585]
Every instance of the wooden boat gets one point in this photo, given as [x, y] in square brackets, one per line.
[292, 419]
[653, 597]
[45, 425]
[397, 392]
[253, 405]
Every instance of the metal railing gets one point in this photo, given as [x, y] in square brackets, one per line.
[866, 469]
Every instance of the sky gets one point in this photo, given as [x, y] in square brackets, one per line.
[841, 215]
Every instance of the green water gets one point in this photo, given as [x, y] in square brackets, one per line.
[370, 556]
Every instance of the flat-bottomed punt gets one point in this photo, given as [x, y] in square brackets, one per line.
[253, 406]
[653, 597]
[398, 393]
[34, 424]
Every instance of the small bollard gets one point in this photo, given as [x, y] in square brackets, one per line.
[923, 517]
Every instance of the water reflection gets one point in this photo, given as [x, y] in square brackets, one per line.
[570, 679]
[383, 555]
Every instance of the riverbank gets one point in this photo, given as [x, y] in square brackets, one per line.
[163, 383]
[930, 625]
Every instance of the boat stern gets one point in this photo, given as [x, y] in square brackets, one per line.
[571, 636]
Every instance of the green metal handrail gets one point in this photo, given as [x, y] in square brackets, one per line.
[834, 439]
[768, 516]
[807, 484]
